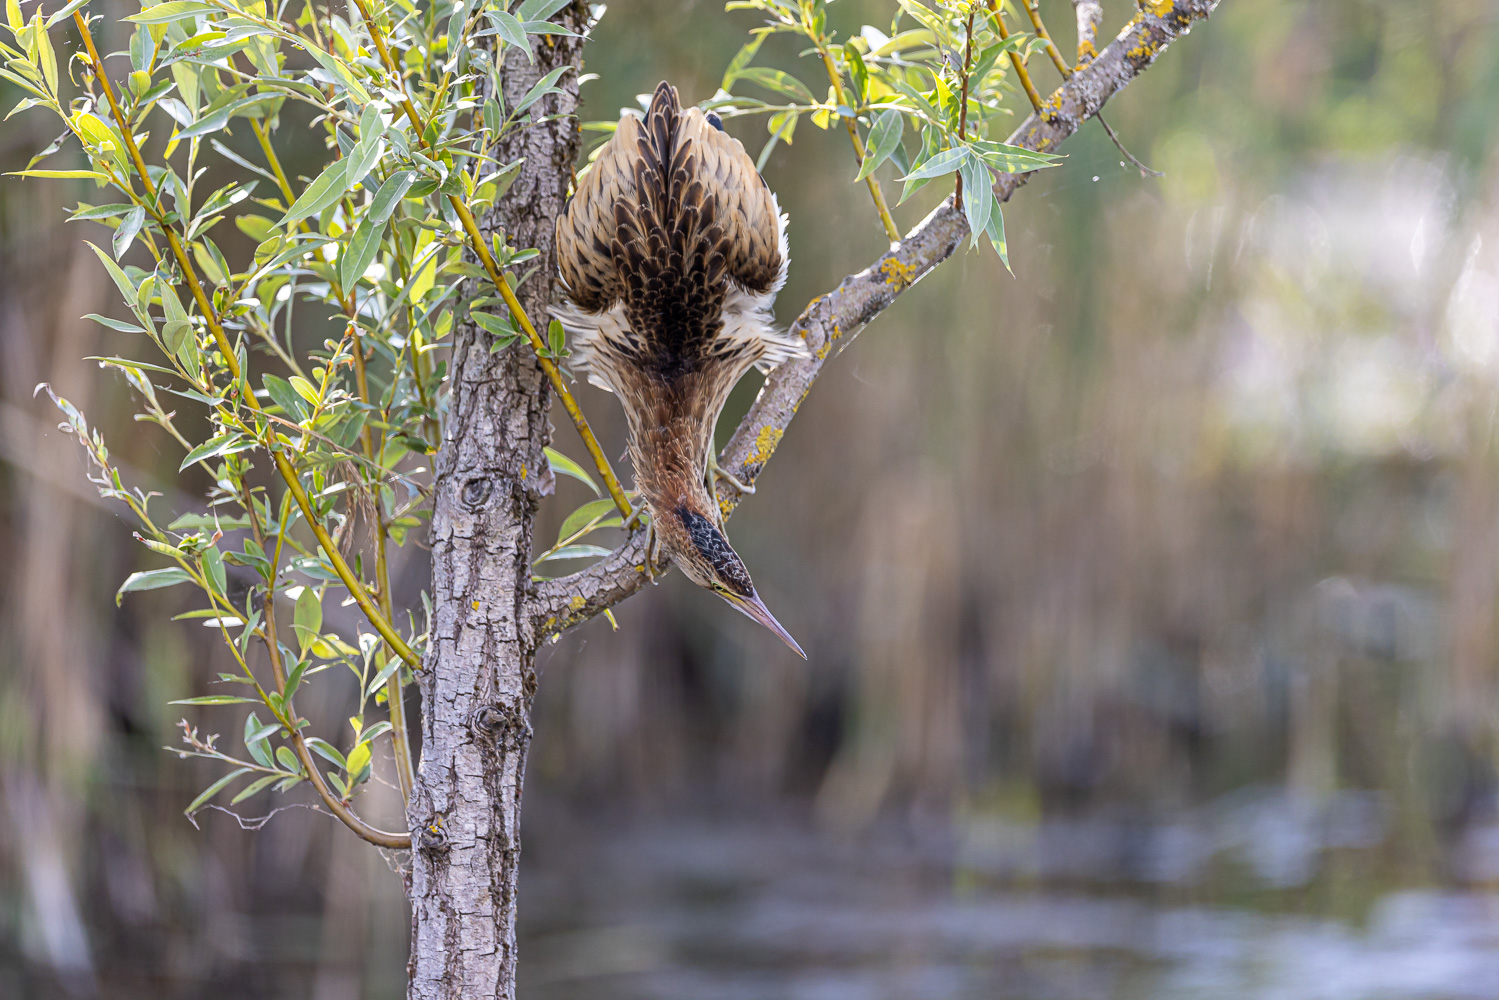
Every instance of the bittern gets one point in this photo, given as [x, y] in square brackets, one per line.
[673, 249]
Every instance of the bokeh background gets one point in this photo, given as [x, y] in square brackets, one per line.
[1151, 594]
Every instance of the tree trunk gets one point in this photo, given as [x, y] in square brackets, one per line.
[478, 678]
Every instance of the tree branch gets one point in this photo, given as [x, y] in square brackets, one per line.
[1089, 16]
[831, 321]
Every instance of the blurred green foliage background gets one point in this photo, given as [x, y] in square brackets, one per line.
[1150, 594]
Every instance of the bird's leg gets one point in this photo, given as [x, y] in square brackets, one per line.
[717, 472]
[652, 540]
[652, 550]
[635, 519]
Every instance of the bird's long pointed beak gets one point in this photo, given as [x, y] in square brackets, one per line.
[753, 607]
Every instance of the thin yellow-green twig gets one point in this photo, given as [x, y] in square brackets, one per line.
[891, 230]
[339, 808]
[1034, 10]
[400, 740]
[1015, 60]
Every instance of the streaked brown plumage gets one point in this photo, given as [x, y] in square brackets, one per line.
[673, 250]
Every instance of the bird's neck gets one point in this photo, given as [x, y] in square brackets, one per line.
[669, 444]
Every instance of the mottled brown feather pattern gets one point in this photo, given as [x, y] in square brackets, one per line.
[672, 251]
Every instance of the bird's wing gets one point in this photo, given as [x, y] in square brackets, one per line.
[672, 183]
[672, 248]
[745, 224]
[586, 228]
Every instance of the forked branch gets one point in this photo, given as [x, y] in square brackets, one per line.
[831, 321]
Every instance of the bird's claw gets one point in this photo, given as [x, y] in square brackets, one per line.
[717, 472]
[652, 551]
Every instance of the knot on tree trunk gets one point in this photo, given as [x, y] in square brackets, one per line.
[504, 728]
[476, 492]
[434, 835]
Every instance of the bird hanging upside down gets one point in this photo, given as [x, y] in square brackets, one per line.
[673, 250]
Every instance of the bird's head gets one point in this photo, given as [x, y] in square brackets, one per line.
[702, 552]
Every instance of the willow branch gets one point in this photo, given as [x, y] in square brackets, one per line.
[335, 805]
[1067, 71]
[880, 206]
[399, 738]
[1033, 8]
[831, 321]
[1016, 61]
[1089, 16]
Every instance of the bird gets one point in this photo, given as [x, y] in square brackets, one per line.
[672, 250]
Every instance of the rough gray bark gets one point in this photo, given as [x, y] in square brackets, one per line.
[478, 678]
[831, 321]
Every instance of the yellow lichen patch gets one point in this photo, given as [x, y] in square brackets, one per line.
[1145, 51]
[898, 273]
[1160, 8]
[765, 445]
[577, 602]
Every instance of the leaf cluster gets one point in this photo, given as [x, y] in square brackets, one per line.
[221, 282]
[927, 96]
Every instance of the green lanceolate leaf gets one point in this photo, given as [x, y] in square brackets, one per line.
[945, 162]
[152, 579]
[978, 196]
[565, 466]
[122, 282]
[364, 245]
[173, 10]
[996, 234]
[541, 89]
[213, 569]
[779, 82]
[593, 512]
[1014, 159]
[884, 136]
[216, 447]
[510, 30]
[284, 396]
[115, 324]
[129, 227]
[325, 190]
[216, 787]
[741, 61]
[857, 69]
[308, 617]
[254, 787]
[501, 327]
[539, 10]
[326, 750]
